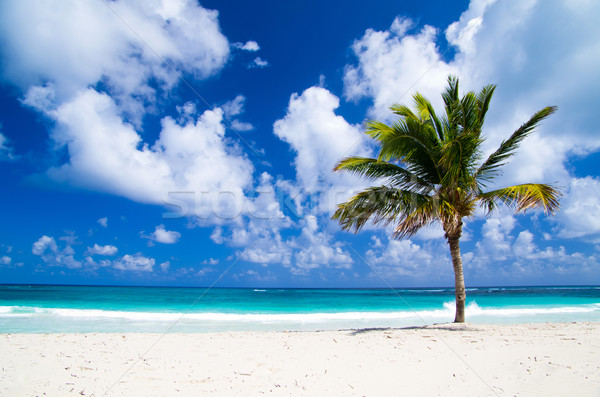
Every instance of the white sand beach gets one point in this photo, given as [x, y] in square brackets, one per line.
[552, 359]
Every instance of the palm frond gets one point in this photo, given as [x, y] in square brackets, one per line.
[523, 197]
[427, 112]
[423, 215]
[435, 208]
[410, 142]
[459, 156]
[381, 204]
[489, 168]
[468, 117]
[452, 108]
[483, 100]
[378, 130]
[373, 169]
[450, 96]
[403, 111]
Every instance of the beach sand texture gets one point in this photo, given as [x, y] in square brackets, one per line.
[553, 359]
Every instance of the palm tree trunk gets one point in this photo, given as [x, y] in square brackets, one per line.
[459, 280]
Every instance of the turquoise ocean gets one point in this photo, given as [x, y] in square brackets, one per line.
[49, 308]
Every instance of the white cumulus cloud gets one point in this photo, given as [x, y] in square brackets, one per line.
[165, 266]
[401, 259]
[97, 88]
[74, 45]
[136, 262]
[106, 250]
[108, 155]
[163, 236]
[250, 45]
[258, 63]
[580, 213]
[320, 139]
[49, 251]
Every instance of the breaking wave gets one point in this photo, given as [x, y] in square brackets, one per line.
[445, 313]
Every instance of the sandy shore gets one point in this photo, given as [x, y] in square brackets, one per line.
[471, 360]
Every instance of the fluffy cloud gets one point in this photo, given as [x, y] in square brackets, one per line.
[234, 108]
[259, 233]
[275, 253]
[507, 254]
[92, 264]
[47, 249]
[165, 266]
[580, 214]
[103, 222]
[494, 232]
[124, 44]
[106, 250]
[136, 262]
[5, 260]
[519, 46]
[316, 248]
[402, 259]
[313, 248]
[258, 63]
[108, 155]
[241, 126]
[320, 139]
[96, 89]
[391, 62]
[504, 255]
[251, 46]
[42, 244]
[163, 236]
[268, 237]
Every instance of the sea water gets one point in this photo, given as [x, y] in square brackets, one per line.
[46, 308]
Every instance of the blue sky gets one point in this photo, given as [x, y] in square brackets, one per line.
[185, 143]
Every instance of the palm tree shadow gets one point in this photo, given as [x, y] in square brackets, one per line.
[441, 327]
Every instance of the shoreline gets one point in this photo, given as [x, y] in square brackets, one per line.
[120, 309]
[473, 359]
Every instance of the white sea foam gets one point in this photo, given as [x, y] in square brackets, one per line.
[16, 311]
[473, 311]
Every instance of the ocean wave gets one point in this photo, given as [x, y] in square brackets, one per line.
[445, 313]
[567, 288]
[473, 309]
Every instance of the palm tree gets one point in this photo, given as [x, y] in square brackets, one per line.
[430, 170]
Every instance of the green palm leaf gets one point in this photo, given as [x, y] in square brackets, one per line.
[483, 100]
[523, 197]
[507, 148]
[373, 169]
[382, 204]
